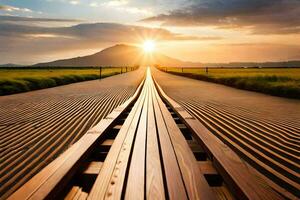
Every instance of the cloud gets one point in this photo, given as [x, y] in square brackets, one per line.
[258, 16]
[123, 5]
[12, 8]
[10, 19]
[94, 4]
[115, 3]
[134, 10]
[22, 42]
[73, 2]
[98, 31]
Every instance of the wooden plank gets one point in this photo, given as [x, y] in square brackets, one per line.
[117, 157]
[63, 167]
[118, 127]
[234, 170]
[266, 170]
[63, 129]
[83, 196]
[77, 195]
[222, 193]
[206, 167]
[195, 146]
[154, 184]
[108, 142]
[115, 188]
[93, 168]
[181, 126]
[257, 149]
[47, 181]
[195, 183]
[175, 185]
[271, 184]
[136, 175]
[72, 193]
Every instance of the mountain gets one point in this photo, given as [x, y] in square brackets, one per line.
[126, 55]
[10, 65]
[118, 55]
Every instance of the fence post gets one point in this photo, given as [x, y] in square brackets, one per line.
[182, 70]
[100, 72]
[206, 70]
[121, 70]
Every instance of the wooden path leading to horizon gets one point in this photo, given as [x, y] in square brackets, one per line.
[262, 129]
[36, 127]
[148, 148]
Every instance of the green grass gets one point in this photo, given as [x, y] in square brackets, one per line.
[284, 82]
[18, 80]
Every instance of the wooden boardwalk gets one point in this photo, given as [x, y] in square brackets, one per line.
[263, 130]
[148, 148]
[36, 127]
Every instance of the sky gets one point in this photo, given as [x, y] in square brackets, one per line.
[212, 31]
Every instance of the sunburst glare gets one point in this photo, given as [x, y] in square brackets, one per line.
[149, 46]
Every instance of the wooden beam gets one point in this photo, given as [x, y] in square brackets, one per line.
[175, 184]
[109, 183]
[154, 185]
[136, 174]
[231, 167]
[195, 183]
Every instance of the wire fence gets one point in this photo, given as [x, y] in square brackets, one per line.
[22, 79]
[293, 72]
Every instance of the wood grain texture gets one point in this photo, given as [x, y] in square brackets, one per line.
[111, 178]
[175, 184]
[263, 130]
[195, 183]
[154, 185]
[41, 185]
[136, 175]
[235, 170]
[150, 157]
[36, 127]
[93, 168]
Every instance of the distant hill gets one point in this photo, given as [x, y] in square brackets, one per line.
[295, 63]
[10, 65]
[126, 55]
[118, 55]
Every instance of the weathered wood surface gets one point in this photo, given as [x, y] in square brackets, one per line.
[117, 158]
[154, 174]
[36, 127]
[51, 177]
[196, 185]
[150, 158]
[229, 164]
[134, 167]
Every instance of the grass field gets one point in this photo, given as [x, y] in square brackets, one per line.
[283, 82]
[17, 80]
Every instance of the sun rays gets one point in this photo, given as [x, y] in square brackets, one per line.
[149, 46]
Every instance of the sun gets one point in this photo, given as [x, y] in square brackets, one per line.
[149, 46]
